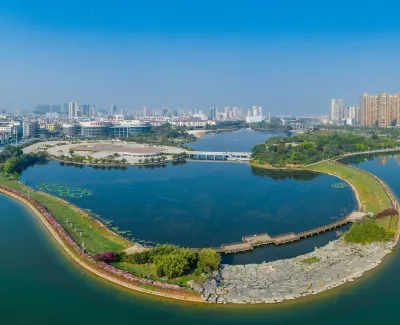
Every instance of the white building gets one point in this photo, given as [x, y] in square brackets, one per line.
[72, 110]
[254, 119]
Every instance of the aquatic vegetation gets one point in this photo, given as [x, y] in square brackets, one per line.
[339, 185]
[64, 191]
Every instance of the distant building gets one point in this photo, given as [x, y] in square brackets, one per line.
[337, 107]
[381, 110]
[42, 109]
[69, 130]
[115, 129]
[30, 129]
[85, 110]
[72, 110]
[55, 109]
[213, 113]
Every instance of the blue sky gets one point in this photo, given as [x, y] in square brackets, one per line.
[287, 56]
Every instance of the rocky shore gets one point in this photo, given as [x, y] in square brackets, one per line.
[327, 267]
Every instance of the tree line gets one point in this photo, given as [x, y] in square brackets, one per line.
[310, 148]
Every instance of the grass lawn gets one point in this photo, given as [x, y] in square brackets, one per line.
[151, 273]
[310, 260]
[372, 196]
[81, 226]
[388, 223]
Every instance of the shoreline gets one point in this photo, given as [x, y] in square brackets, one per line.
[197, 299]
[88, 267]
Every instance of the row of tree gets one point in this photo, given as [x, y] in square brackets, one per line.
[16, 164]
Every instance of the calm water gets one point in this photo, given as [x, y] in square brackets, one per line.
[38, 285]
[202, 204]
[241, 140]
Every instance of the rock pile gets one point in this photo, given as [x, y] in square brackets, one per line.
[325, 268]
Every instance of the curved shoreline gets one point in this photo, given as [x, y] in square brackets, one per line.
[91, 269]
[189, 298]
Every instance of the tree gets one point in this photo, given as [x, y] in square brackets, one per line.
[163, 158]
[140, 161]
[123, 161]
[152, 159]
[171, 265]
[208, 261]
[158, 159]
[11, 165]
[146, 160]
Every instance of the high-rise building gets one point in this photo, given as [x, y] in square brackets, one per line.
[213, 113]
[55, 109]
[146, 112]
[85, 110]
[381, 110]
[72, 109]
[43, 108]
[113, 109]
[337, 109]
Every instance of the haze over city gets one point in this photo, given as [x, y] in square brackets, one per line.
[289, 59]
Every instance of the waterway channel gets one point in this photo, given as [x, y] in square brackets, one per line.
[242, 140]
[38, 285]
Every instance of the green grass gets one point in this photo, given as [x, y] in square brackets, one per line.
[310, 260]
[368, 231]
[151, 273]
[81, 226]
[372, 196]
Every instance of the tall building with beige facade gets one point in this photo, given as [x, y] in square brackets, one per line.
[381, 110]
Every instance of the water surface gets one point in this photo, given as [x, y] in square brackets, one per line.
[202, 204]
[241, 141]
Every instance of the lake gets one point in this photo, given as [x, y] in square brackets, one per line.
[201, 204]
[39, 285]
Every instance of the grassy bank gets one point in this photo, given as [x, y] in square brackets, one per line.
[372, 196]
[82, 227]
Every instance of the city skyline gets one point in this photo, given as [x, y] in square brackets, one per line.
[142, 55]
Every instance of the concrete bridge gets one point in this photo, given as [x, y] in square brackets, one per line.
[227, 155]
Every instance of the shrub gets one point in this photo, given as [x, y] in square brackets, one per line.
[367, 231]
[105, 257]
[387, 213]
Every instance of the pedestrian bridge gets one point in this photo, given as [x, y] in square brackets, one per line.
[228, 155]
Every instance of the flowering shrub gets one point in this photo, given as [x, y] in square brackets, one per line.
[104, 257]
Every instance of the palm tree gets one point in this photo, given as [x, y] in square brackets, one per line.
[146, 160]
[140, 161]
[163, 158]
[123, 161]
[158, 159]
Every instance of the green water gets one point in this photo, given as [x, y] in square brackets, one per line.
[39, 285]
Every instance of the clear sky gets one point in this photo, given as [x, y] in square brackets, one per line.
[287, 56]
